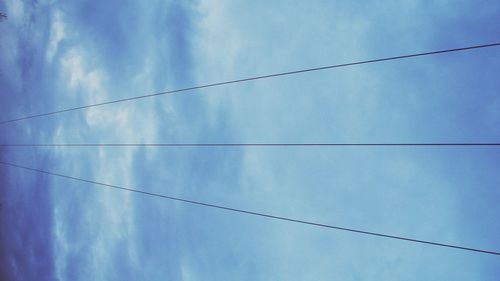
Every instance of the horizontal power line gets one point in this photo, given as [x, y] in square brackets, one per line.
[243, 144]
[254, 78]
[269, 216]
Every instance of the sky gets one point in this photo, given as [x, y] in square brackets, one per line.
[56, 55]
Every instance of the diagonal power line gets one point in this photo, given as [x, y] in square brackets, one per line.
[252, 213]
[496, 44]
[349, 144]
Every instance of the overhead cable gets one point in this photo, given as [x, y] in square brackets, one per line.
[267, 76]
[253, 213]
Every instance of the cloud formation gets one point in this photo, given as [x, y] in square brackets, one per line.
[62, 55]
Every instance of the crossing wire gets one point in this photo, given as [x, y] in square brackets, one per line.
[247, 144]
[253, 213]
[253, 79]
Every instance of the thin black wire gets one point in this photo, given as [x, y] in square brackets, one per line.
[254, 213]
[254, 78]
[244, 144]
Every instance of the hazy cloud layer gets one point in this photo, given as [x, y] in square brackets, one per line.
[59, 55]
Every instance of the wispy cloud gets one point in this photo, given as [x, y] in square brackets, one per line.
[69, 54]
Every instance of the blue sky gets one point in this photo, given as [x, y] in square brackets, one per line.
[57, 55]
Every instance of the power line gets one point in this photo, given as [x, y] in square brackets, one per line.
[254, 78]
[254, 213]
[246, 144]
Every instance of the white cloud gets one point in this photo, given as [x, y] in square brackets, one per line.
[109, 211]
[57, 33]
[83, 78]
[15, 11]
